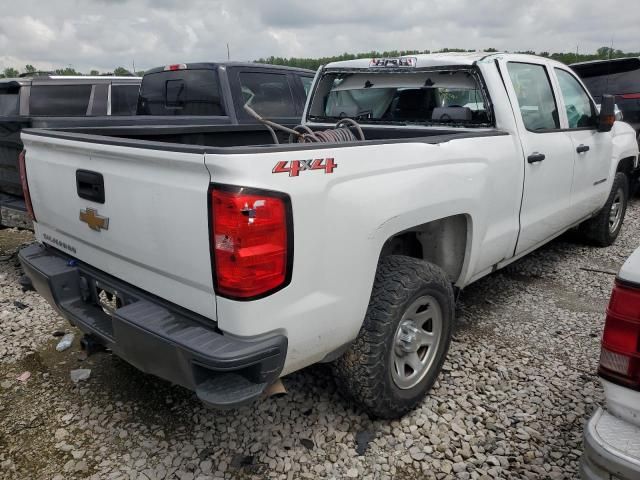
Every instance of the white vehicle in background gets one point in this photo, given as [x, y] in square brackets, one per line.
[612, 435]
[234, 265]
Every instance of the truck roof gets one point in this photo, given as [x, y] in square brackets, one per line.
[596, 68]
[214, 65]
[75, 78]
[427, 60]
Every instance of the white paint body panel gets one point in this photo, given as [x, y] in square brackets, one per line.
[630, 270]
[156, 202]
[158, 235]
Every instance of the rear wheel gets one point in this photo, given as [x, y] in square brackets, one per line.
[604, 228]
[404, 339]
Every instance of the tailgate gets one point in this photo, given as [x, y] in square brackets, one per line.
[157, 237]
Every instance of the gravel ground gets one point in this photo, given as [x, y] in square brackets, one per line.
[517, 387]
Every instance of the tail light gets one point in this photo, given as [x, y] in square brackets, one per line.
[175, 66]
[22, 165]
[251, 241]
[631, 96]
[620, 354]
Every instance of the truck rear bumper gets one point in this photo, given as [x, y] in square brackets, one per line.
[611, 448]
[155, 336]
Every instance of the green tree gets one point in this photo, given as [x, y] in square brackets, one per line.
[10, 72]
[30, 69]
[122, 72]
[94, 72]
[68, 71]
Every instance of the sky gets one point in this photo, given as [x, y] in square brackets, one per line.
[104, 34]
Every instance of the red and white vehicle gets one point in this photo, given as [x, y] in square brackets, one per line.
[612, 435]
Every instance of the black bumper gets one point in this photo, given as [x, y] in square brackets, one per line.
[155, 336]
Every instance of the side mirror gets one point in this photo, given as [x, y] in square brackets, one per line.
[607, 113]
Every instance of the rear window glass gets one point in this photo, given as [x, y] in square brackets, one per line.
[181, 92]
[124, 99]
[623, 82]
[9, 103]
[268, 94]
[306, 84]
[435, 97]
[59, 100]
[614, 84]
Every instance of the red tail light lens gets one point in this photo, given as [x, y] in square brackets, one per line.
[175, 66]
[251, 241]
[631, 96]
[620, 354]
[22, 165]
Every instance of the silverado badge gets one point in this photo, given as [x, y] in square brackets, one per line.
[96, 222]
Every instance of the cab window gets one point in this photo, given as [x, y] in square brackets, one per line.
[268, 94]
[581, 112]
[535, 96]
[60, 100]
[306, 84]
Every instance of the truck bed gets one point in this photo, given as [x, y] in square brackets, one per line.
[244, 139]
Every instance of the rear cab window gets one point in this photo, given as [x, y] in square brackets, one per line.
[268, 94]
[124, 99]
[444, 96]
[60, 100]
[306, 84]
[9, 100]
[536, 100]
[181, 92]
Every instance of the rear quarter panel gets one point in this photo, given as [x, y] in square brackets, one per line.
[341, 221]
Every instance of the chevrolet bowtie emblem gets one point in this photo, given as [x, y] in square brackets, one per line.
[96, 222]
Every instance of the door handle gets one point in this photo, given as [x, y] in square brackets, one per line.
[90, 185]
[535, 157]
[582, 148]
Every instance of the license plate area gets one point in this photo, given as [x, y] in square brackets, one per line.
[109, 299]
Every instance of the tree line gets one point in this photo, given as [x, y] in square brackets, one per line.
[601, 53]
[11, 72]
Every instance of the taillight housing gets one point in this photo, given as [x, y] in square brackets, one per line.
[251, 241]
[22, 165]
[620, 354]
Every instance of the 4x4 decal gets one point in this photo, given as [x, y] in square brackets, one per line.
[294, 167]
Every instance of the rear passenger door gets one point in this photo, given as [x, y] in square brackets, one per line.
[548, 154]
[592, 149]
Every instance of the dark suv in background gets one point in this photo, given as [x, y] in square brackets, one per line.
[46, 101]
[619, 77]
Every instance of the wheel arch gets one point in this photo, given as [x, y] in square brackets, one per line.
[444, 242]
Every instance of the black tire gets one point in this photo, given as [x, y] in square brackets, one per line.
[364, 372]
[599, 230]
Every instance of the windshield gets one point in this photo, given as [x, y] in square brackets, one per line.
[432, 97]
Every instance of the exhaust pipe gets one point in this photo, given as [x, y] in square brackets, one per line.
[276, 389]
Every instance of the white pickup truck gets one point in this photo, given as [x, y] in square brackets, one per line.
[222, 268]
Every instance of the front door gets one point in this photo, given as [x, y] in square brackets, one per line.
[592, 149]
[547, 155]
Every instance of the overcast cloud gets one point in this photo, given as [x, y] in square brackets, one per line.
[104, 34]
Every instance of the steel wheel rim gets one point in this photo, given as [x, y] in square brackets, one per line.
[615, 213]
[416, 342]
